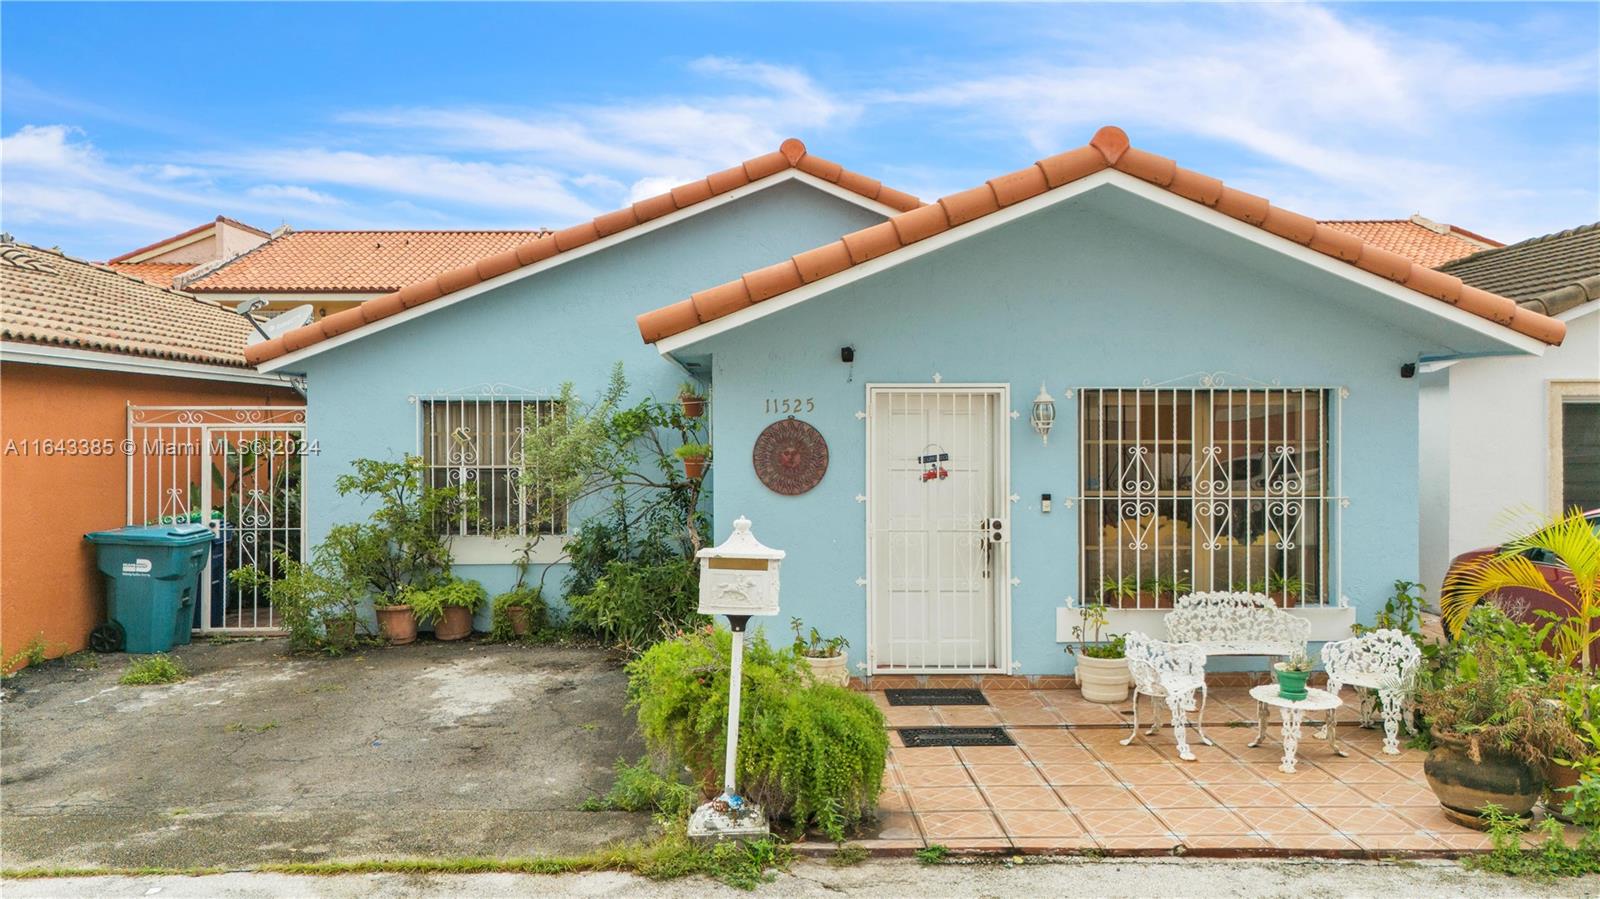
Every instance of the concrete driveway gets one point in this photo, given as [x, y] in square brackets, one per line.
[433, 749]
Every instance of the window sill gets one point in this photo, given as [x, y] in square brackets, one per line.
[507, 550]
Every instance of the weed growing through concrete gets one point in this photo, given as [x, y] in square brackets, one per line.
[933, 853]
[848, 855]
[239, 727]
[35, 652]
[1551, 858]
[155, 669]
[640, 788]
[83, 661]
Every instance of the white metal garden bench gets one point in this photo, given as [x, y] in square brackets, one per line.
[1384, 662]
[1236, 624]
[1173, 673]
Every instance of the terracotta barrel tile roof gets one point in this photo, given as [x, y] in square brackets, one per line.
[1418, 239]
[158, 273]
[47, 298]
[530, 249]
[1108, 149]
[354, 261]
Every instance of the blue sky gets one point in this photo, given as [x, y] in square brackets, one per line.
[123, 123]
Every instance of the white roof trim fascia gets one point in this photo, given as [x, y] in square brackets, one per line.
[604, 243]
[72, 357]
[1114, 178]
[169, 246]
[1579, 311]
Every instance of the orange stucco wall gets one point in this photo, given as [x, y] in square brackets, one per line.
[48, 582]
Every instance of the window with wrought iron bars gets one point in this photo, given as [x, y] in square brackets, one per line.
[478, 442]
[1206, 488]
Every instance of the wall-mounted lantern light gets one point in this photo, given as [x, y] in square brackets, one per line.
[1044, 414]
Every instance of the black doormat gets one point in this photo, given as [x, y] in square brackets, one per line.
[936, 697]
[922, 737]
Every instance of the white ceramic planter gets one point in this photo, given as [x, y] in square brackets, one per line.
[830, 670]
[1103, 680]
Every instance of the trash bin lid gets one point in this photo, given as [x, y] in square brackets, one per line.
[153, 535]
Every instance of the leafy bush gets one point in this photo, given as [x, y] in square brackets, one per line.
[1492, 701]
[308, 598]
[521, 597]
[812, 752]
[154, 669]
[1550, 858]
[635, 605]
[401, 546]
[640, 788]
[429, 604]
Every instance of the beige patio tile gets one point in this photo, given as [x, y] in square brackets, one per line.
[972, 844]
[1303, 774]
[1092, 714]
[1160, 796]
[946, 799]
[895, 740]
[1040, 823]
[1059, 755]
[1249, 795]
[1406, 794]
[1027, 717]
[1225, 841]
[910, 716]
[1074, 774]
[1121, 822]
[941, 827]
[1207, 820]
[1108, 749]
[897, 826]
[1031, 737]
[1006, 775]
[1155, 842]
[1396, 842]
[1017, 699]
[1360, 772]
[1429, 818]
[1224, 772]
[1352, 820]
[1464, 839]
[1143, 775]
[1319, 842]
[935, 776]
[1283, 820]
[1022, 798]
[893, 800]
[991, 755]
[966, 716]
[926, 755]
[1106, 796]
[1318, 794]
[1055, 845]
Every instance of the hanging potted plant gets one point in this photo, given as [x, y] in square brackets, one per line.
[692, 400]
[1292, 674]
[826, 657]
[1102, 669]
[449, 607]
[397, 620]
[693, 456]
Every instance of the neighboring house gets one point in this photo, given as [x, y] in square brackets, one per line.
[1506, 438]
[1232, 396]
[1417, 238]
[465, 354]
[81, 343]
[196, 249]
[337, 270]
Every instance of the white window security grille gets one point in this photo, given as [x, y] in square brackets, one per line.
[476, 441]
[1209, 487]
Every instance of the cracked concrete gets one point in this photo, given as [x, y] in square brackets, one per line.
[429, 749]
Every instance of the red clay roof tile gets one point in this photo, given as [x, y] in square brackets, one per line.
[1109, 146]
[726, 180]
[353, 261]
[724, 299]
[764, 283]
[1418, 239]
[158, 273]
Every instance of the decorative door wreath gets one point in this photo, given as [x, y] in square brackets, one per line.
[790, 457]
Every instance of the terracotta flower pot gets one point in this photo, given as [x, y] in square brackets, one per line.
[340, 632]
[830, 670]
[518, 618]
[397, 624]
[1464, 787]
[694, 467]
[456, 623]
[1103, 680]
[1558, 779]
[693, 406]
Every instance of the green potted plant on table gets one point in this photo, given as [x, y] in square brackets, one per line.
[693, 456]
[449, 607]
[1292, 673]
[1102, 668]
[825, 657]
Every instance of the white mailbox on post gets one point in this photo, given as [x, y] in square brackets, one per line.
[740, 577]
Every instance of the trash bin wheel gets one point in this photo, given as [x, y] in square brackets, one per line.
[108, 637]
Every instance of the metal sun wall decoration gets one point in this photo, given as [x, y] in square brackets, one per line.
[790, 457]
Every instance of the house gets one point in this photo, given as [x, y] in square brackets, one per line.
[82, 345]
[337, 270]
[1504, 438]
[165, 261]
[471, 350]
[1227, 390]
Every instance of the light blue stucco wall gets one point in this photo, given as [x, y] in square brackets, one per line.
[570, 323]
[1107, 289]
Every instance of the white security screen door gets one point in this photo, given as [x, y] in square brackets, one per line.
[938, 528]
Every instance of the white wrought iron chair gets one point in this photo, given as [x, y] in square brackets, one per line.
[1173, 673]
[1384, 662]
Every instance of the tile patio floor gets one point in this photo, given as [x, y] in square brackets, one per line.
[1069, 786]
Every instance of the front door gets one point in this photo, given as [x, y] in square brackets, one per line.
[938, 528]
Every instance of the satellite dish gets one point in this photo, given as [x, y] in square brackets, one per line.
[281, 323]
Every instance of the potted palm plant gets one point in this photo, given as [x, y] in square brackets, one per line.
[1170, 587]
[449, 607]
[825, 656]
[693, 456]
[1102, 669]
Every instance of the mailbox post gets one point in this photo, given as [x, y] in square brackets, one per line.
[738, 579]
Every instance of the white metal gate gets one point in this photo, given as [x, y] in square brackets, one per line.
[241, 471]
[938, 528]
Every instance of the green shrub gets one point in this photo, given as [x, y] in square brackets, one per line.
[402, 545]
[529, 598]
[308, 598]
[811, 752]
[429, 604]
[154, 669]
[640, 788]
[635, 605]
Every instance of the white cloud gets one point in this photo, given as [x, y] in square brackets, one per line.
[293, 192]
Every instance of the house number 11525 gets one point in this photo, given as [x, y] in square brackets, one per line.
[791, 406]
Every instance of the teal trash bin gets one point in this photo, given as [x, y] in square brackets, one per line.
[152, 583]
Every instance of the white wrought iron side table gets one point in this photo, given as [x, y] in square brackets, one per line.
[1293, 712]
